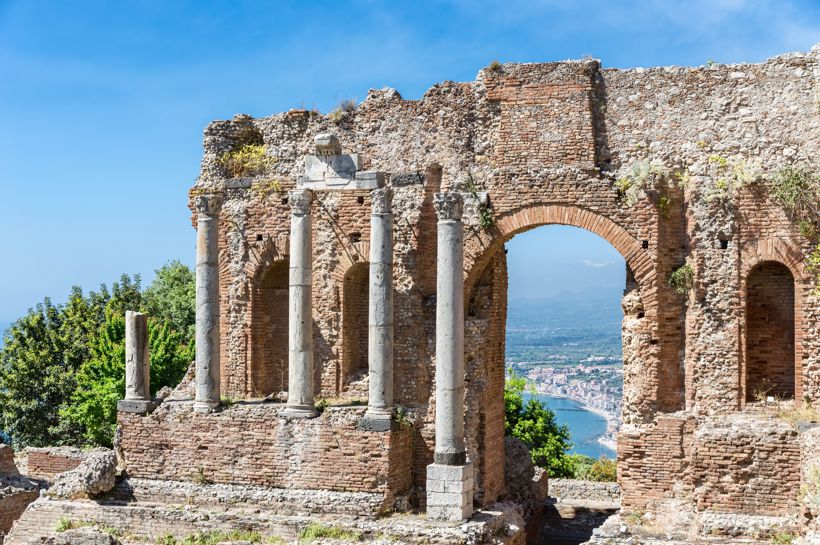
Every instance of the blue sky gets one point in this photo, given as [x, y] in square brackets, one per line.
[102, 104]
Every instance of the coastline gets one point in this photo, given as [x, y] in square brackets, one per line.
[606, 439]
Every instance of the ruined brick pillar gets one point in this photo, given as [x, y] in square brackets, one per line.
[207, 303]
[300, 307]
[450, 477]
[137, 365]
[380, 328]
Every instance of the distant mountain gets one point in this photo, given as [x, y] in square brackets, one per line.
[584, 309]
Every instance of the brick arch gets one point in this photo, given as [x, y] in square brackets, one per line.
[267, 358]
[480, 249]
[263, 254]
[753, 255]
[351, 254]
[759, 251]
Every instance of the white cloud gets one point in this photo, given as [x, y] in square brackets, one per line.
[597, 264]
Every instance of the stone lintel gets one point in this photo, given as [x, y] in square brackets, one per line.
[363, 180]
[138, 406]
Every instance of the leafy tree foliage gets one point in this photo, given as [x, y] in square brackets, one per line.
[534, 424]
[62, 367]
[101, 380]
[171, 297]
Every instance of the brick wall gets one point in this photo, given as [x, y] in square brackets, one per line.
[355, 322]
[654, 462]
[743, 464]
[269, 330]
[770, 331]
[253, 444]
[48, 463]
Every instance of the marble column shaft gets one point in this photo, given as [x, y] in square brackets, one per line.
[449, 448]
[137, 357]
[380, 320]
[207, 303]
[300, 307]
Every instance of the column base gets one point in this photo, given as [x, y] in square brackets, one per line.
[449, 492]
[378, 420]
[205, 407]
[300, 411]
[138, 406]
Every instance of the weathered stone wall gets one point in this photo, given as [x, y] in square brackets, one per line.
[547, 142]
[743, 464]
[253, 444]
[573, 489]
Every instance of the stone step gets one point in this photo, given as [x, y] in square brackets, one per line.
[138, 522]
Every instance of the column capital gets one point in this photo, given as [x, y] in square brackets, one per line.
[449, 206]
[381, 201]
[210, 205]
[300, 200]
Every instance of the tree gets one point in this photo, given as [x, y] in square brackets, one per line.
[535, 425]
[34, 376]
[52, 349]
[171, 297]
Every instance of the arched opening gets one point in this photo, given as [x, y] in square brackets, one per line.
[269, 370]
[770, 340]
[626, 302]
[355, 302]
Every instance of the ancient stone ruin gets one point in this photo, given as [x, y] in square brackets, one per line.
[351, 300]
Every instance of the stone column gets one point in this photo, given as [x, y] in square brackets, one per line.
[300, 306]
[450, 477]
[207, 303]
[380, 329]
[137, 365]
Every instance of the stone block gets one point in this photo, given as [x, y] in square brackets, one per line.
[139, 406]
[438, 472]
[449, 492]
[451, 513]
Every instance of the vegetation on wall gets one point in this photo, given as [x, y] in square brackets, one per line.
[62, 367]
[682, 279]
[797, 189]
[248, 160]
[486, 214]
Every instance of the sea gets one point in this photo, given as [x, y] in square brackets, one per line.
[585, 426]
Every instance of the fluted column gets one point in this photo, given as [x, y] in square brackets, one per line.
[207, 303]
[450, 477]
[137, 365]
[380, 329]
[300, 307]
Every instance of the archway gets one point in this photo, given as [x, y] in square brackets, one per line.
[269, 334]
[770, 332]
[355, 302]
[486, 298]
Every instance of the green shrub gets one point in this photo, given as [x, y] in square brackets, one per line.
[604, 470]
[797, 189]
[682, 279]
